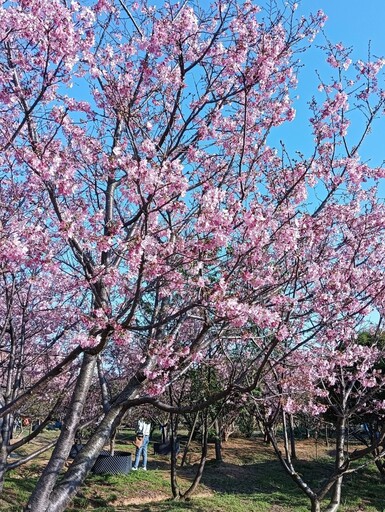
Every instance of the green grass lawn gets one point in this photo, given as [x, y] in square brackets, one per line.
[249, 479]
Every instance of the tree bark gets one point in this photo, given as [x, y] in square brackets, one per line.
[315, 505]
[113, 442]
[218, 445]
[173, 422]
[227, 431]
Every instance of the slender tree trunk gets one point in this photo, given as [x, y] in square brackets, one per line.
[106, 399]
[3, 464]
[227, 431]
[163, 432]
[380, 464]
[175, 489]
[266, 436]
[293, 452]
[103, 385]
[186, 448]
[340, 459]
[315, 505]
[202, 462]
[289, 468]
[327, 436]
[39, 500]
[218, 444]
[3, 469]
[112, 442]
[173, 422]
[286, 437]
[68, 487]
[5, 442]
[335, 502]
[173, 474]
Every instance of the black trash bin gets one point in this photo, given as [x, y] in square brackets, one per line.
[119, 463]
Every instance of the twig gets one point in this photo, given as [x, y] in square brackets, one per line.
[131, 18]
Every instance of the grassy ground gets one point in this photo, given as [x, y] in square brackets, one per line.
[249, 479]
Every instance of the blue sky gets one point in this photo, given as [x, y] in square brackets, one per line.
[354, 22]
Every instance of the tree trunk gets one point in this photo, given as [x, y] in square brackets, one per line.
[289, 468]
[173, 475]
[340, 459]
[186, 448]
[163, 432]
[67, 488]
[335, 501]
[227, 431]
[266, 437]
[103, 386]
[327, 436]
[218, 445]
[6, 434]
[112, 442]
[175, 489]
[173, 422]
[293, 452]
[315, 505]
[202, 463]
[286, 437]
[3, 465]
[380, 464]
[39, 500]
[69, 485]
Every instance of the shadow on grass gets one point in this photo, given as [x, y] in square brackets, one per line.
[269, 481]
[166, 506]
[16, 491]
[22, 484]
[252, 485]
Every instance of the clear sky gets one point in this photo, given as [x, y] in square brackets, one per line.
[354, 22]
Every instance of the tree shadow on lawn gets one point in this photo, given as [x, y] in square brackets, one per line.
[268, 481]
[255, 484]
[15, 490]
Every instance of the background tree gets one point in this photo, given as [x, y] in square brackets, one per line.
[35, 317]
[339, 383]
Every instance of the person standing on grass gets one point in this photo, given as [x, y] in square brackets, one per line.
[141, 448]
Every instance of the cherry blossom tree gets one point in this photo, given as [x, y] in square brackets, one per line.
[35, 318]
[341, 380]
[139, 137]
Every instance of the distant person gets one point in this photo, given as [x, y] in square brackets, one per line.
[141, 442]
